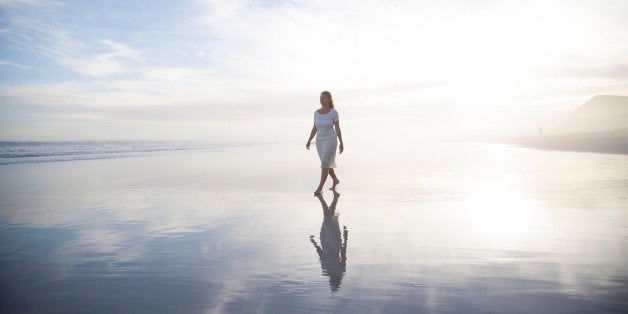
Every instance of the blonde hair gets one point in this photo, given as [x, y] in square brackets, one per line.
[331, 100]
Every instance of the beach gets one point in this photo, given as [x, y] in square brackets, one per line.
[594, 142]
[427, 227]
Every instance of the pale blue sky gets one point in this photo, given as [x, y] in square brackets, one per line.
[189, 69]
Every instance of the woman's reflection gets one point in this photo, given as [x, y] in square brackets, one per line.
[332, 250]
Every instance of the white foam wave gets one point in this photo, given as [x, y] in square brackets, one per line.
[24, 152]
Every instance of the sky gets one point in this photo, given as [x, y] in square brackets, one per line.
[253, 70]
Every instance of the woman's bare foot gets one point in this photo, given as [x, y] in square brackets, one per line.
[333, 187]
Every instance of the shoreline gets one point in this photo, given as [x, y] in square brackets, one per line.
[599, 142]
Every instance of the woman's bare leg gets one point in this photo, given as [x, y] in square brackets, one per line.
[324, 174]
[332, 174]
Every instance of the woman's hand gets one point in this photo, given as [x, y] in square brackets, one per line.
[311, 136]
[341, 148]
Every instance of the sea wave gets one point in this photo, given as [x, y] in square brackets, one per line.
[24, 152]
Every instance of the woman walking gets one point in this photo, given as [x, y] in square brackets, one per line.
[325, 121]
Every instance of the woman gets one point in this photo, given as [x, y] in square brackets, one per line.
[325, 120]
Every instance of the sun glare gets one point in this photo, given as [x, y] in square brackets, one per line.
[500, 211]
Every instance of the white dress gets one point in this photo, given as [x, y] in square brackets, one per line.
[326, 140]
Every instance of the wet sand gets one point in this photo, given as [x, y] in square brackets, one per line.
[596, 142]
[432, 227]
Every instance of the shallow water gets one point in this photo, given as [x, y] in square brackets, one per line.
[430, 227]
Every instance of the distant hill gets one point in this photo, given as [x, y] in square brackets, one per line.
[600, 125]
[602, 113]
[602, 105]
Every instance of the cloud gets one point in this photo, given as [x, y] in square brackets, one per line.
[10, 64]
[174, 95]
[29, 3]
[177, 74]
[610, 72]
[102, 64]
[303, 44]
[30, 34]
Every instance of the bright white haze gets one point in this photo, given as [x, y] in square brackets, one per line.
[253, 70]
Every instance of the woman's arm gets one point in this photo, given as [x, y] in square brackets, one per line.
[337, 127]
[311, 136]
[319, 250]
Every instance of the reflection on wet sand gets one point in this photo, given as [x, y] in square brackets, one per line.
[332, 250]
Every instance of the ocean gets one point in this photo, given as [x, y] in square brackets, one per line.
[33, 151]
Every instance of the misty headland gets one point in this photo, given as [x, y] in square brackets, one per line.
[599, 125]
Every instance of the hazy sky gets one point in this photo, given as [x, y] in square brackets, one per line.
[195, 69]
